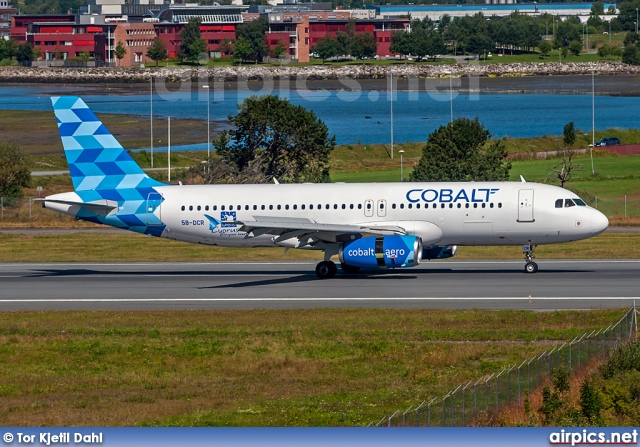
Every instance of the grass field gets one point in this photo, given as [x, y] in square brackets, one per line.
[252, 368]
[131, 247]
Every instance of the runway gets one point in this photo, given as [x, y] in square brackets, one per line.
[268, 285]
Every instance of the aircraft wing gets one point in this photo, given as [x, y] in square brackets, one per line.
[304, 229]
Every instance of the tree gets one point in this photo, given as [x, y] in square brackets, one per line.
[7, 49]
[326, 48]
[24, 52]
[226, 47]
[563, 170]
[569, 134]
[575, 47]
[545, 48]
[242, 49]
[14, 171]
[120, 51]
[461, 151]
[157, 51]
[280, 49]
[274, 138]
[252, 33]
[192, 44]
[631, 55]
[590, 402]
[364, 45]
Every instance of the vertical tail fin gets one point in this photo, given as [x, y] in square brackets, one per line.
[100, 167]
[112, 188]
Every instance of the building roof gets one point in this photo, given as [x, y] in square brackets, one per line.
[208, 14]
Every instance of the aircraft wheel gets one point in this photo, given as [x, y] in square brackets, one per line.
[326, 270]
[349, 269]
[531, 267]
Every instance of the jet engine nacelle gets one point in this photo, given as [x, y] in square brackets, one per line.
[382, 252]
[439, 251]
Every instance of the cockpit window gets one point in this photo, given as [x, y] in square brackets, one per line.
[579, 202]
[568, 203]
[559, 203]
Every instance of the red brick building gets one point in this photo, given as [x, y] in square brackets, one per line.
[63, 36]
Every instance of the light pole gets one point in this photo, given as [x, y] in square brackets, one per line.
[208, 133]
[401, 151]
[593, 119]
[391, 101]
[169, 148]
[450, 97]
[636, 20]
[609, 30]
[151, 116]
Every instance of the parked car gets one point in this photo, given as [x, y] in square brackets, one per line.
[609, 141]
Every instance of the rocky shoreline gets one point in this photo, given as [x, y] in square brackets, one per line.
[251, 72]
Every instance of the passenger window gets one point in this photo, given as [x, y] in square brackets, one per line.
[418, 205]
[302, 206]
[344, 207]
[255, 207]
[206, 208]
[568, 203]
[475, 205]
[451, 205]
[466, 205]
[368, 206]
[286, 207]
[500, 205]
[393, 206]
[410, 206]
[381, 205]
[279, 207]
[491, 205]
[441, 205]
[402, 206]
[335, 206]
[359, 206]
[311, 206]
[484, 205]
[246, 207]
[262, 207]
[199, 208]
[351, 206]
[215, 207]
[230, 207]
[459, 205]
[182, 208]
[190, 207]
[270, 207]
[559, 203]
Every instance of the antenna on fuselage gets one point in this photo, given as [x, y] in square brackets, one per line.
[522, 179]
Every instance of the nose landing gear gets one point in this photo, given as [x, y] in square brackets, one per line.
[529, 266]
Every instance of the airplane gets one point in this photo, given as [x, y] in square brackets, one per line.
[366, 225]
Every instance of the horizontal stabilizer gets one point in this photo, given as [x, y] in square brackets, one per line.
[101, 207]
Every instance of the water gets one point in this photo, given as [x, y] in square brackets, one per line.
[364, 116]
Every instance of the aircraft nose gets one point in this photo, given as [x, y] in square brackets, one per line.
[599, 222]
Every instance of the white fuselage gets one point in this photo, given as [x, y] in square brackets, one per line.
[461, 213]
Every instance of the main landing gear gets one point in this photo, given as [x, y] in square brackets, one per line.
[529, 266]
[326, 269]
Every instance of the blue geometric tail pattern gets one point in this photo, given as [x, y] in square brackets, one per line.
[102, 170]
